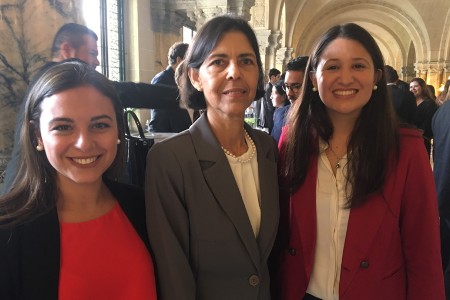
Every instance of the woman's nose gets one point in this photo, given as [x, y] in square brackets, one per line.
[233, 71]
[83, 141]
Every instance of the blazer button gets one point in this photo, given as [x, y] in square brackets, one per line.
[253, 280]
[364, 264]
[292, 251]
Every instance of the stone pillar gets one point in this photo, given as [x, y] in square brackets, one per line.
[283, 56]
[408, 73]
[263, 41]
[202, 10]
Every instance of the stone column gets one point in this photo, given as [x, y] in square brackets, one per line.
[283, 56]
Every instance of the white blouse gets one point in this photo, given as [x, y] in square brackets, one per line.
[247, 180]
[332, 221]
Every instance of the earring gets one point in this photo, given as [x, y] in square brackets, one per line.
[39, 147]
[118, 141]
[375, 87]
[314, 89]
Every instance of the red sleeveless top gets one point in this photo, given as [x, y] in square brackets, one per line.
[105, 259]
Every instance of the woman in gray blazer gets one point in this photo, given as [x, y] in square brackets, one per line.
[212, 191]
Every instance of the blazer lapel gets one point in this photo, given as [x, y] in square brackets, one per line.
[268, 185]
[303, 207]
[40, 246]
[220, 179]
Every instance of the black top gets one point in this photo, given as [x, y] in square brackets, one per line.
[404, 104]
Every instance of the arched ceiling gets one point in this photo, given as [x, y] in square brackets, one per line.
[395, 24]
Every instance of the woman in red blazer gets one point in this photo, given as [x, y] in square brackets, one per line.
[359, 216]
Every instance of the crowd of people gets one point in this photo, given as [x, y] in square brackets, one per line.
[339, 201]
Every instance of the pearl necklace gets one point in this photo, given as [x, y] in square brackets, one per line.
[248, 139]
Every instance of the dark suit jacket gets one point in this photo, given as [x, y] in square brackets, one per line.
[267, 109]
[136, 95]
[30, 253]
[404, 104]
[279, 119]
[441, 131]
[173, 120]
[392, 249]
[203, 243]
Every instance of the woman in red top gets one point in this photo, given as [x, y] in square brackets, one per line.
[65, 230]
[359, 214]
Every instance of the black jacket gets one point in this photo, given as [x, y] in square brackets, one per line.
[30, 253]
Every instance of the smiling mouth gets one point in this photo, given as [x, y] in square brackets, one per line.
[85, 161]
[234, 92]
[345, 92]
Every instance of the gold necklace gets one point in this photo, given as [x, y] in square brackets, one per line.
[338, 163]
[252, 146]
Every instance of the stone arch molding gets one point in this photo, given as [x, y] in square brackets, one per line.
[330, 15]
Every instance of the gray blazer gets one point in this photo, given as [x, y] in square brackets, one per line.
[202, 240]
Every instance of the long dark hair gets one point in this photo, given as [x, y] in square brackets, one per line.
[374, 137]
[33, 191]
[202, 45]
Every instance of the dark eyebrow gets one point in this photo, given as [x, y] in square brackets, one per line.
[96, 118]
[222, 55]
[68, 120]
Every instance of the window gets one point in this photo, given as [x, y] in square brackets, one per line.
[105, 17]
[188, 34]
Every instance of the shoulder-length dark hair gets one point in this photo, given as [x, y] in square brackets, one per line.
[374, 137]
[202, 45]
[33, 191]
[426, 93]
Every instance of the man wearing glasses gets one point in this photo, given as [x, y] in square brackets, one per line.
[293, 80]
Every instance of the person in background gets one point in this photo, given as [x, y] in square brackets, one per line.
[77, 42]
[282, 105]
[171, 120]
[357, 189]
[404, 101]
[441, 157]
[265, 110]
[293, 80]
[66, 232]
[432, 91]
[426, 107]
[212, 190]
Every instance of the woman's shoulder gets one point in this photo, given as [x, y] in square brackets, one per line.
[411, 140]
[174, 143]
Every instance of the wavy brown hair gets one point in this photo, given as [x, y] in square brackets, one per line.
[374, 137]
[33, 191]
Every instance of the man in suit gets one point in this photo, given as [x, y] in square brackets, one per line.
[404, 101]
[178, 119]
[266, 109]
[75, 41]
[441, 131]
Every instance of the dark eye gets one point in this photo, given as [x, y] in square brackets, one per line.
[247, 61]
[61, 128]
[101, 125]
[359, 66]
[332, 68]
[217, 62]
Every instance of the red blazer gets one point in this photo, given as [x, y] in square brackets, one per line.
[392, 246]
